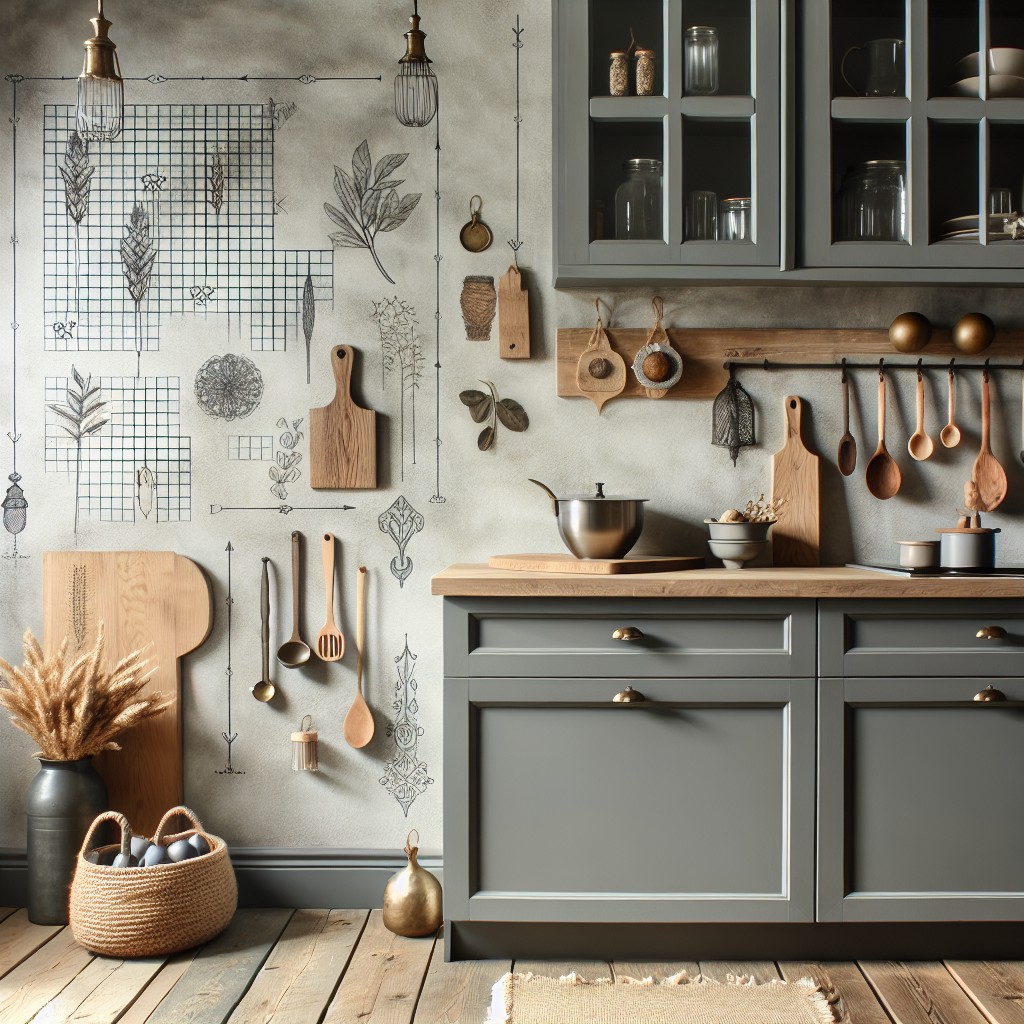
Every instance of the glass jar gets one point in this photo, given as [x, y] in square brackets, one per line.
[701, 46]
[873, 202]
[638, 201]
[645, 72]
[618, 73]
[734, 219]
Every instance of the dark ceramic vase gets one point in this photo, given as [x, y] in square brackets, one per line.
[63, 799]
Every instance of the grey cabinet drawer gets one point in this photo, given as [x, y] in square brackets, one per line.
[920, 638]
[680, 638]
[920, 805]
[561, 806]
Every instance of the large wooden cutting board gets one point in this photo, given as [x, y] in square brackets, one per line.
[141, 597]
[596, 566]
[796, 476]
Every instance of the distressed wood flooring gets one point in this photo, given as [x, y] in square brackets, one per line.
[343, 967]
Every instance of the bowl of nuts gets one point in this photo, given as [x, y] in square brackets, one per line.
[739, 537]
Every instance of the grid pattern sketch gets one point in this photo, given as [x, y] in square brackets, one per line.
[251, 447]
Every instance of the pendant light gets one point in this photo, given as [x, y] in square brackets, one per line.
[100, 86]
[415, 83]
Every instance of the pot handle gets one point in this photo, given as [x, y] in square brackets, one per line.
[550, 493]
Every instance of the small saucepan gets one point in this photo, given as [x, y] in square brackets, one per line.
[597, 525]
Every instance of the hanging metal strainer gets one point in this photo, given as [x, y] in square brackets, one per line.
[732, 418]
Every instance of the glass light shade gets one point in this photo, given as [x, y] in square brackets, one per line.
[415, 94]
[100, 108]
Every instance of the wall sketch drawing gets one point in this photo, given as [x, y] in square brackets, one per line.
[145, 490]
[227, 734]
[250, 447]
[308, 316]
[437, 498]
[137, 257]
[479, 301]
[278, 113]
[401, 522]
[78, 604]
[515, 244]
[143, 433]
[401, 351]
[282, 509]
[369, 202]
[203, 175]
[15, 509]
[482, 407]
[80, 417]
[229, 387]
[406, 776]
[286, 470]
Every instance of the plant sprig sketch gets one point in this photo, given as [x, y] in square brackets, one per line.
[400, 350]
[482, 407]
[137, 257]
[286, 471]
[369, 202]
[77, 173]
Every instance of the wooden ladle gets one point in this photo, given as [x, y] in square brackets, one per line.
[920, 444]
[358, 727]
[846, 457]
[950, 434]
[882, 474]
[988, 474]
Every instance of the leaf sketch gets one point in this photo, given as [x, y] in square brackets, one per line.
[77, 173]
[401, 350]
[215, 183]
[286, 470]
[369, 202]
[145, 489]
[308, 315]
[137, 257]
[81, 418]
[506, 410]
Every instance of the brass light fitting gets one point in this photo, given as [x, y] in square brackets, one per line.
[415, 83]
[100, 86]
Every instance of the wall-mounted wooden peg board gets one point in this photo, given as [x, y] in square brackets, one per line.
[706, 350]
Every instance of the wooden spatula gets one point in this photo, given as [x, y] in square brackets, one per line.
[330, 643]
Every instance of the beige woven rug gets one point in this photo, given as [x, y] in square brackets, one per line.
[531, 999]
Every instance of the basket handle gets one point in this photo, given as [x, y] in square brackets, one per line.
[122, 821]
[158, 836]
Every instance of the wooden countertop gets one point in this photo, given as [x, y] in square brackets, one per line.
[477, 580]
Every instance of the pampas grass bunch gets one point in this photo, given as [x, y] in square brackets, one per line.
[74, 709]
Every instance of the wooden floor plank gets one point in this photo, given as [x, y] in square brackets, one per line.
[856, 999]
[19, 939]
[156, 991]
[459, 992]
[384, 978]
[41, 978]
[300, 976]
[656, 969]
[6, 912]
[589, 969]
[222, 970]
[995, 986]
[920, 993]
[720, 970]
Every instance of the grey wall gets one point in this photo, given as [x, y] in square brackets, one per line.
[657, 450]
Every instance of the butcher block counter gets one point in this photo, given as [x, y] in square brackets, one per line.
[825, 761]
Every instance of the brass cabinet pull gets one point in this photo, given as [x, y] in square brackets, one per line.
[628, 633]
[989, 694]
[629, 696]
[991, 633]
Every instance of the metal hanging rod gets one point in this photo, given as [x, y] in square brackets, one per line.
[881, 365]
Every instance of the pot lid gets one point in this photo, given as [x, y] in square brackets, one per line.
[600, 496]
[967, 529]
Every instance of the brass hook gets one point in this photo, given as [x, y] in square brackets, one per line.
[920, 377]
[984, 372]
[843, 364]
[880, 363]
[475, 214]
[952, 374]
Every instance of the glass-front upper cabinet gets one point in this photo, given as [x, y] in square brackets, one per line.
[913, 147]
[667, 139]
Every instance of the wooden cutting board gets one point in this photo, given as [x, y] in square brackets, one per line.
[141, 597]
[796, 476]
[342, 435]
[595, 566]
[513, 316]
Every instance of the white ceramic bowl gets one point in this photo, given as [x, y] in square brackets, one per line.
[735, 553]
[1002, 60]
[999, 86]
[919, 554]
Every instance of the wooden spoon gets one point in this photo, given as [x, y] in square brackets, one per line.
[264, 690]
[358, 727]
[950, 435]
[920, 444]
[988, 474]
[882, 474]
[294, 651]
[330, 642]
[846, 458]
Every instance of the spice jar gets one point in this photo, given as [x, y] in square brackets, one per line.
[618, 73]
[304, 747]
[638, 201]
[645, 72]
[873, 202]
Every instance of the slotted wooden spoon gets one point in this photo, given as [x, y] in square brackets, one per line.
[358, 727]
[988, 473]
[330, 642]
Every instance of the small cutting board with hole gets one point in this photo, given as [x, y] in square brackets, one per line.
[513, 316]
[596, 566]
[342, 435]
[796, 476]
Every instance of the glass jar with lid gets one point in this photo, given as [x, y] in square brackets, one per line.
[873, 202]
[618, 73]
[645, 72]
[638, 201]
[734, 219]
[701, 60]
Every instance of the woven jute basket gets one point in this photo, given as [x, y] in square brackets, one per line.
[152, 911]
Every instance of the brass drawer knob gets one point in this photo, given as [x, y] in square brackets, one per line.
[628, 633]
[629, 696]
[991, 633]
[989, 694]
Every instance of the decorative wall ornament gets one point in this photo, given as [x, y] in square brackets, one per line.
[369, 202]
[479, 301]
[488, 407]
[77, 173]
[282, 509]
[137, 258]
[15, 508]
[308, 315]
[229, 387]
[401, 351]
[228, 735]
[406, 776]
[401, 522]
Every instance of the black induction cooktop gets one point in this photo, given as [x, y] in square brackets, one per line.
[1003, 571]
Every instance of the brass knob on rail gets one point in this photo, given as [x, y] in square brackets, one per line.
[627, 633]
[630, 696]
[989, 695]
[991, 633]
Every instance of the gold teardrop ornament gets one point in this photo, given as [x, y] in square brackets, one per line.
[412, 898]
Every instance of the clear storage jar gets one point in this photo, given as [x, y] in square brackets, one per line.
[734, 219]
[701, 59]
[873, 202]
[638, 201]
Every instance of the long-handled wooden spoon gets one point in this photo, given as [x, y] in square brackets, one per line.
[882, 474]
[988, 474]
[846, 457]
[358, 727]
[950, 435]
[264, 690]
[330, 642]
[920, 444]
[294, 651]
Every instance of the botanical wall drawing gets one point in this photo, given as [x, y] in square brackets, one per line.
[228, 386]
[77, 173]
[308, 315]
[286, 469]
[401, 351]
[401, 522]
[489, 407]
[137, 257]
[369, 202]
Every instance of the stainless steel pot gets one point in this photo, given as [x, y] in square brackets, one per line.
[596, 525]
[967, 548]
